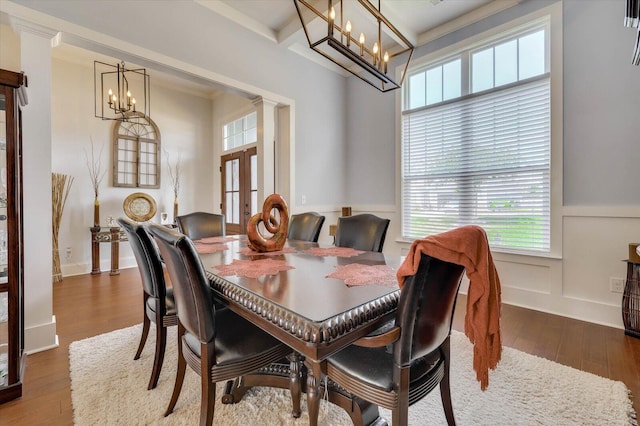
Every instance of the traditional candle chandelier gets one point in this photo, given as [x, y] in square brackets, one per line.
[356, 36]
[120, 93]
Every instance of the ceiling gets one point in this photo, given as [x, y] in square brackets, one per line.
[414, 17]
[277, 20]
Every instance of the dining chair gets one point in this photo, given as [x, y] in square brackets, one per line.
[216, 343]
[157, 300]
[361, 232]
[305, 226]
[199, 225]
[419, 358]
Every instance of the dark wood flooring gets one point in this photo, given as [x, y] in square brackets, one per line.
[89, 305]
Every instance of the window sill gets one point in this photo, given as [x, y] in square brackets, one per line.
[497, 254]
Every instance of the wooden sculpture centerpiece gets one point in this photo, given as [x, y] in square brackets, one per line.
[279, 229]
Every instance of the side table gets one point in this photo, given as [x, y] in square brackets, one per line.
[631, 300]
[111, 235]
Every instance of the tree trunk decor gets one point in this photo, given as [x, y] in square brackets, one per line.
[60, 186]
[278, 228]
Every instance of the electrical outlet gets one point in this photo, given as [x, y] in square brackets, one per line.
[304, 200]
[68, 253]
[616, 285]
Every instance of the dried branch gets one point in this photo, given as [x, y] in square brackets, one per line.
[60, 187]
[95, 168]
[174, 174]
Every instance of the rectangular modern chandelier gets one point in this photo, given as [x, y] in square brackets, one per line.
[356, 36]
[120, 92]
[632, 20]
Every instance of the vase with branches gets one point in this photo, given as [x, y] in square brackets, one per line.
[94, 165]
[174, 176]
[60, 187]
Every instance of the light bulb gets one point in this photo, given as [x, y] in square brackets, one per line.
[348, 27]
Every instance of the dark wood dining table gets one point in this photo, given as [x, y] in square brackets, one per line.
[313, 314]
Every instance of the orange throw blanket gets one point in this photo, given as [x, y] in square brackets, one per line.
[468, 246]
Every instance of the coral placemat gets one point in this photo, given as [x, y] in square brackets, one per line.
[334, 251]
[214, 240]
[210, 248]
[248, 252]
[253, 268]
[359, 274]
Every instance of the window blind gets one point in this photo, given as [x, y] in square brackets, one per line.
[482, 160]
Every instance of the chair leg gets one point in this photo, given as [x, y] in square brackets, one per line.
[182, 366]
[445, 389]
[145, 330]
[400, 414]
[161, 343]
[208, 400]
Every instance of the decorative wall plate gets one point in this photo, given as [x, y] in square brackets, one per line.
[139, 206]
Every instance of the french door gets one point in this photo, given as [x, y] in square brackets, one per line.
[239, 189]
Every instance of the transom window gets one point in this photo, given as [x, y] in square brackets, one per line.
[476, 142]
[240, 132]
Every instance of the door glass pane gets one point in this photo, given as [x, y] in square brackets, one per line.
[235, 175]
[228, 182]
[229, 207]
[235, 203]
[254, 172]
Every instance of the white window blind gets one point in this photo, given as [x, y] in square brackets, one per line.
[483, 160]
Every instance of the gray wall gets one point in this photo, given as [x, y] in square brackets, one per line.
[601, 106]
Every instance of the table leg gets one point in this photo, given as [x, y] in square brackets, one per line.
[314, 377]
[115, 251]
[295, 382]
[95, 251]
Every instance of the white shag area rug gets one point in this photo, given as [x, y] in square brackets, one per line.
[109, 388]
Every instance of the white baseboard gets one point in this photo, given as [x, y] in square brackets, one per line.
[41, 337]
[72, 269]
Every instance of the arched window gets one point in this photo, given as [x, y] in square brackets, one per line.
[136, 152]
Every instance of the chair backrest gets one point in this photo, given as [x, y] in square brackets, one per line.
[191, 291]
[425, 308]
[305, 226]
[199, 225]
[147, 257]
[362, 232]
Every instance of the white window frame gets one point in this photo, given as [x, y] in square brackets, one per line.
[554, 15]
[245, 144]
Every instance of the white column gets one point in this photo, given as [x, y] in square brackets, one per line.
[266, 122]
[35, 52]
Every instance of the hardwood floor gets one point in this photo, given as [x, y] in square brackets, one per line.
[89, 305]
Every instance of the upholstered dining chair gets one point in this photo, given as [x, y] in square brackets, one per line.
[157, 301]
[305, 226]
[361, 232]
[199, 225]
[419, 358]
[216, 343]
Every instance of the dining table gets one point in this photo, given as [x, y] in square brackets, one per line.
[316, 299]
